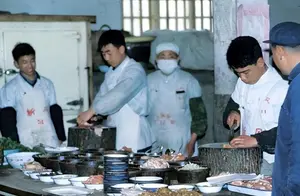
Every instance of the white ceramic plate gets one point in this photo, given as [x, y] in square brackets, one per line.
[123, 186]
[205, 187]
[145, 178]
[68, 191]
[177, 187]
[61, 149]
[116, 155]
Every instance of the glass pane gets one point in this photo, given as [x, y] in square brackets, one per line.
[187, 12]
[163, 24]
[146, 24]
[172, 24]
[206, 8]
[180, 24]
[145, 8]
[172, 8]
[163, 8]
[187, 23]
[127, 24]
[198, 8]
[211, 8]
[206, 23]
[180, 8]
[198, 24]
[136, 27]
[136, 8]
[212, 25]
[126, 8]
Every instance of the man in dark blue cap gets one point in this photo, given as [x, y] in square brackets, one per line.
[285, 45]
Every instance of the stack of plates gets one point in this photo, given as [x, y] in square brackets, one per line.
[115, 171]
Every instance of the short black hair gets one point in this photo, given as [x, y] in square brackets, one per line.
[114, 37]
[243, 51]
[22, 49]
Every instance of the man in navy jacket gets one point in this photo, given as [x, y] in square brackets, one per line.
[285, 45]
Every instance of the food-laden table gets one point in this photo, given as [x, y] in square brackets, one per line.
[14, 182]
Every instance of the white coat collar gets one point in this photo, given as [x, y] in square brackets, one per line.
[265, 77]
[167, 78]
[122, 65]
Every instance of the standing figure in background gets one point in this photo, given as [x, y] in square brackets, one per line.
[122, 95]
[256, 101]
[172, 92]
[29, 112]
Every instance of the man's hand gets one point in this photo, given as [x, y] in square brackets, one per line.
[244, 141]
[190, 147]
[85, 116]
[233, 116]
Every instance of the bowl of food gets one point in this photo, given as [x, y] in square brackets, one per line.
[192, 173]
[153, 187]
[181, 186]
[89, 167]
[68, 166]
[63, 179]
[18, 160]
[146, 179]
[120, 187]
[46, 177]
[42, 158]
[206, 187]
[94, 182]
[78, 181]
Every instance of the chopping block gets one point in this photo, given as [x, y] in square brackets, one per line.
[94, 137]
[231, 160]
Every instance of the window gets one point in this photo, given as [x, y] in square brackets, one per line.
[143, 15]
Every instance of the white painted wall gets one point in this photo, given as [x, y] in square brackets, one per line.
[107, 11]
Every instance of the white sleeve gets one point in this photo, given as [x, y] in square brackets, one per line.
[7, 96]
[237, 92]
[271, 106]
[51, 93]
[133, 80]
[194, 88]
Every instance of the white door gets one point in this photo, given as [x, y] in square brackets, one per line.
[57, 59]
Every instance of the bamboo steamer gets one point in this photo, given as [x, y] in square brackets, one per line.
[232, 160]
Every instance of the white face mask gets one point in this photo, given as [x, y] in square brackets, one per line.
[167, 66]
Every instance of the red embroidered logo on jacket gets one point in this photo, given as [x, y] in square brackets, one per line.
[258, 130]
[30, 112]
[40, 122]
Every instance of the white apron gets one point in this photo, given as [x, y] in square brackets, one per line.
[253, 110]
[125, 120]
[34, 121]
[170, 118]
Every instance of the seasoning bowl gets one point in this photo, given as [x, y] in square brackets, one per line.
[97, 187]
[63, 179]
[153, 187]
[178, 187]
[206, 187]
[46, 177]
[68, 166]
[192, 176]
[78, 181]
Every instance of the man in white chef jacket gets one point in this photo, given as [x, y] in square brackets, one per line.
[122, 95]
[256, 101]
[170, 92]
[29, 112]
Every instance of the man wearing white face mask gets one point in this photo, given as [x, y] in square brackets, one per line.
[177, 115]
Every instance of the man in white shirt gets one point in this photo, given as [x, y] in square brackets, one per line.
[122, 95]
[29, 112]
[255, 104]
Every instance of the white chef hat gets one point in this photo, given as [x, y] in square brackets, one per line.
[167, 46]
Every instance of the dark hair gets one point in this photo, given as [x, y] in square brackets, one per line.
[22, 49]
[114, 37]
[243, 51]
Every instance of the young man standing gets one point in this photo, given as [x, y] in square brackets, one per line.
[256, 101]
[122, 95]
[29, 112]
